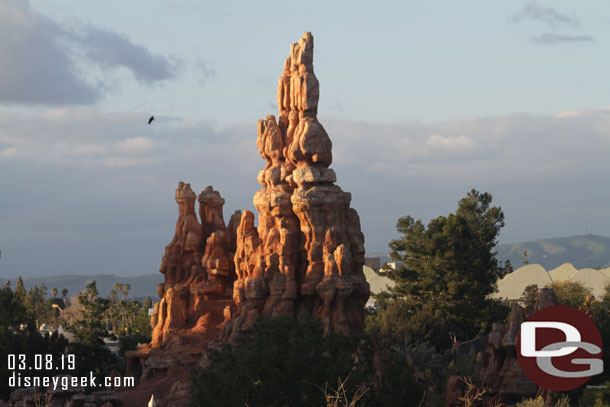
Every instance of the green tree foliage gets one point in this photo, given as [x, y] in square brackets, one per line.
[524, 259]
[597, 396]
[89, 329]
[288, 362]
[572, 293]
[20, 292]
[508, 268]
[37, 305]
[448, 269]
[18, 335]
[529, 297]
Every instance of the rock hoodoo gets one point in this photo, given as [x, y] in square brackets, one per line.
[306, 255]
[308, 251]
[196, 299]
[196, 265]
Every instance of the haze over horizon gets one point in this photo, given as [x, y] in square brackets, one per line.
[421, 105]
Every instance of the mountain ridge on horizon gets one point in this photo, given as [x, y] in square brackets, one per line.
[582, 251]
[141, 286]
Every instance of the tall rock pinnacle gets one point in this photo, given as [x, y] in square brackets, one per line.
[306, 255]
[308, 251]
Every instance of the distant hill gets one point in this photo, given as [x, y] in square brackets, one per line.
[584, 251]
[141, 286]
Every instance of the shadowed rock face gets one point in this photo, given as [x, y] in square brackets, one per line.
[308, 251]
[500, 369]
[197, 265]
[305, 255]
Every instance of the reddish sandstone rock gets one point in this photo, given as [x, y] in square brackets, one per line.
[198, 266]
[306, 254]
[195, 297]
[308, 251]
[183, 253]
[500, 369]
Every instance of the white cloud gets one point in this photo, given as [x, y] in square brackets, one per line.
[8, 152]
[455, 143]
[553, 38]
[548, 15]
[535, 166]
[126, 162]
[135, 146]
[45, 62]
[87, 150]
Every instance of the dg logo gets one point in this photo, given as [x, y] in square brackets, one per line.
[559, 348]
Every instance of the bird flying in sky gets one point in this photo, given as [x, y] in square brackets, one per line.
[151, 119]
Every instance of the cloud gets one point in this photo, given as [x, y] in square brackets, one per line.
[454, 143]
[8, 152]
[204, 70]
[135, 146]
[46, 63]
[80, 181]
[36, 68]
[552, 38]
[113, 50]
[552, 18]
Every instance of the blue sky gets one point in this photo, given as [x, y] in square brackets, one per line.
[422, 100]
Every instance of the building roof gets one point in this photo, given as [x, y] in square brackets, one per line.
[512, 285]
[563, 272]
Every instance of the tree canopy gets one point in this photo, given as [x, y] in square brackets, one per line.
[446, 272]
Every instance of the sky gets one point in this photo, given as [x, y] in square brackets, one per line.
[423, 101]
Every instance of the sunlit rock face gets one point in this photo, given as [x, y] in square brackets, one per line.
[307, 252]
[198, 266]
[306, 255]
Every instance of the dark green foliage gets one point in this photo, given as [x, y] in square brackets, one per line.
[131, 341]
[288, 362]
[508, 268]
[18, 335]
[89, 330]
[283, 363]
[93, 358]
[596, 397]
[572, 293]
[448, 270]
[397, 320]
[399, 388]
[529, 297]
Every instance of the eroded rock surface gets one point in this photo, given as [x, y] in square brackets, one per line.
[305, 255]
[196, 296]
[500, 369]
[307, 252]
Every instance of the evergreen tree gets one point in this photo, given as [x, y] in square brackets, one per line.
[89, 329]
[20, 292]
[447, 271]
[37, 306]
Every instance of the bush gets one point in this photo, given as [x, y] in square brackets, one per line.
[290, 362]
[595, 396]
[283, 363]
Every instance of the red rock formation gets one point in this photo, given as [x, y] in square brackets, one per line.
[183, 253]
[308, 251]
[306, 254]
[197, 264]
[500, 369]
[196, 297]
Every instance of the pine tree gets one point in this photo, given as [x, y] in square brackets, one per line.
[448, 269]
